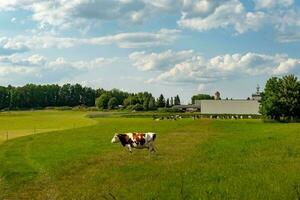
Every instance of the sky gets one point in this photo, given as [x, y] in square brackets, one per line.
[172, 47]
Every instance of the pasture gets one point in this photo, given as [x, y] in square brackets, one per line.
[17, 124]
[195, 159]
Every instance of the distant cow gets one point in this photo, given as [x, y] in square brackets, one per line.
[136, 140]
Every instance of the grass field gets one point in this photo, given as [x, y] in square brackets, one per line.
[17, 124]
[195, 159]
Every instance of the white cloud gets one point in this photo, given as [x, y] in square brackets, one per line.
[61, 63]
[262, 4]
[194, 68]
[34, 60]
[6, 47]
[67, 13]
[137, 39]
[205, 15]
[199, 15]
[288, 25]
[6, 71]
[189, 71]
[221, 15]
[40, 68]
[201, 87]
[286, 66]
[23, 43]
[13, 20]
[158, 61]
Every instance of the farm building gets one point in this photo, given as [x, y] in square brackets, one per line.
[226, 106]
[243, 107]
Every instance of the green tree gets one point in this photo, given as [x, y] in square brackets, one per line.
[172, 102]
[102, 101]
[146, 103]
[119, 95]
[4, 98]
[112, 103]
[289, 96]
[65, 95]
[270, 106]
[176, 100]
[137, 107]
[39, 96]
[88, 96]
[281, 98]
[151, 105]
[161, 101]
[201, 97]
[131, 100]
[168, 103]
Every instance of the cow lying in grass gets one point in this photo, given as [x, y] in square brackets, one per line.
[136, 140]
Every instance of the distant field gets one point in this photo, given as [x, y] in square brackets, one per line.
[196, 159]
[17, 124]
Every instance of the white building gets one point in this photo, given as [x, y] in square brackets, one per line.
[241, 107]
[226, 106]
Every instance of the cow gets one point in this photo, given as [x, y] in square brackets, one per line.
[136, 140]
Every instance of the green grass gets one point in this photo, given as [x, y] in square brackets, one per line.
[201, 159]
[17, 124]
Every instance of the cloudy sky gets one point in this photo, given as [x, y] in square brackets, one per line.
[163, 46]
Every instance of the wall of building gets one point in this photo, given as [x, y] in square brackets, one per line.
[229, 106]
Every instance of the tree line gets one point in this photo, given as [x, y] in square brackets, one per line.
[139, 101]
[40, 96]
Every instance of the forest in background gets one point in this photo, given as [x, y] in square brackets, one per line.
[33, 96]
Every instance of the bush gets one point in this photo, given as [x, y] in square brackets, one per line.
[169, 110]
[58, 108]
[137, 107]
[112, 103]
[81, 107]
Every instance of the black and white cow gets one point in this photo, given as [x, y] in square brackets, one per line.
[135, 140]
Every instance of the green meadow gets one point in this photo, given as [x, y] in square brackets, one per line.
[17, 124]
[66, 155]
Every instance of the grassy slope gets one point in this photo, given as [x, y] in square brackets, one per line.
[196, 159]
[248, 160]
[28, 122]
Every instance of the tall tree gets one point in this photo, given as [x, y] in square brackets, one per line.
[40, 96]
[161, 101]
[131, 100]
[146, 103]
[281, 98]
[151, 105]
[290, 96]
[4, 98]
[102, 101]
[176, 100]
[88, 96]
[270, 106]
[168, 103]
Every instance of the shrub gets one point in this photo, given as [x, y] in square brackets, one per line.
[137, 107]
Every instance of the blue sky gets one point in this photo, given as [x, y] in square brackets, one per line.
[172, 47]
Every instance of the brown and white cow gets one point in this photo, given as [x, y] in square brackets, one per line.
[135, 140]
